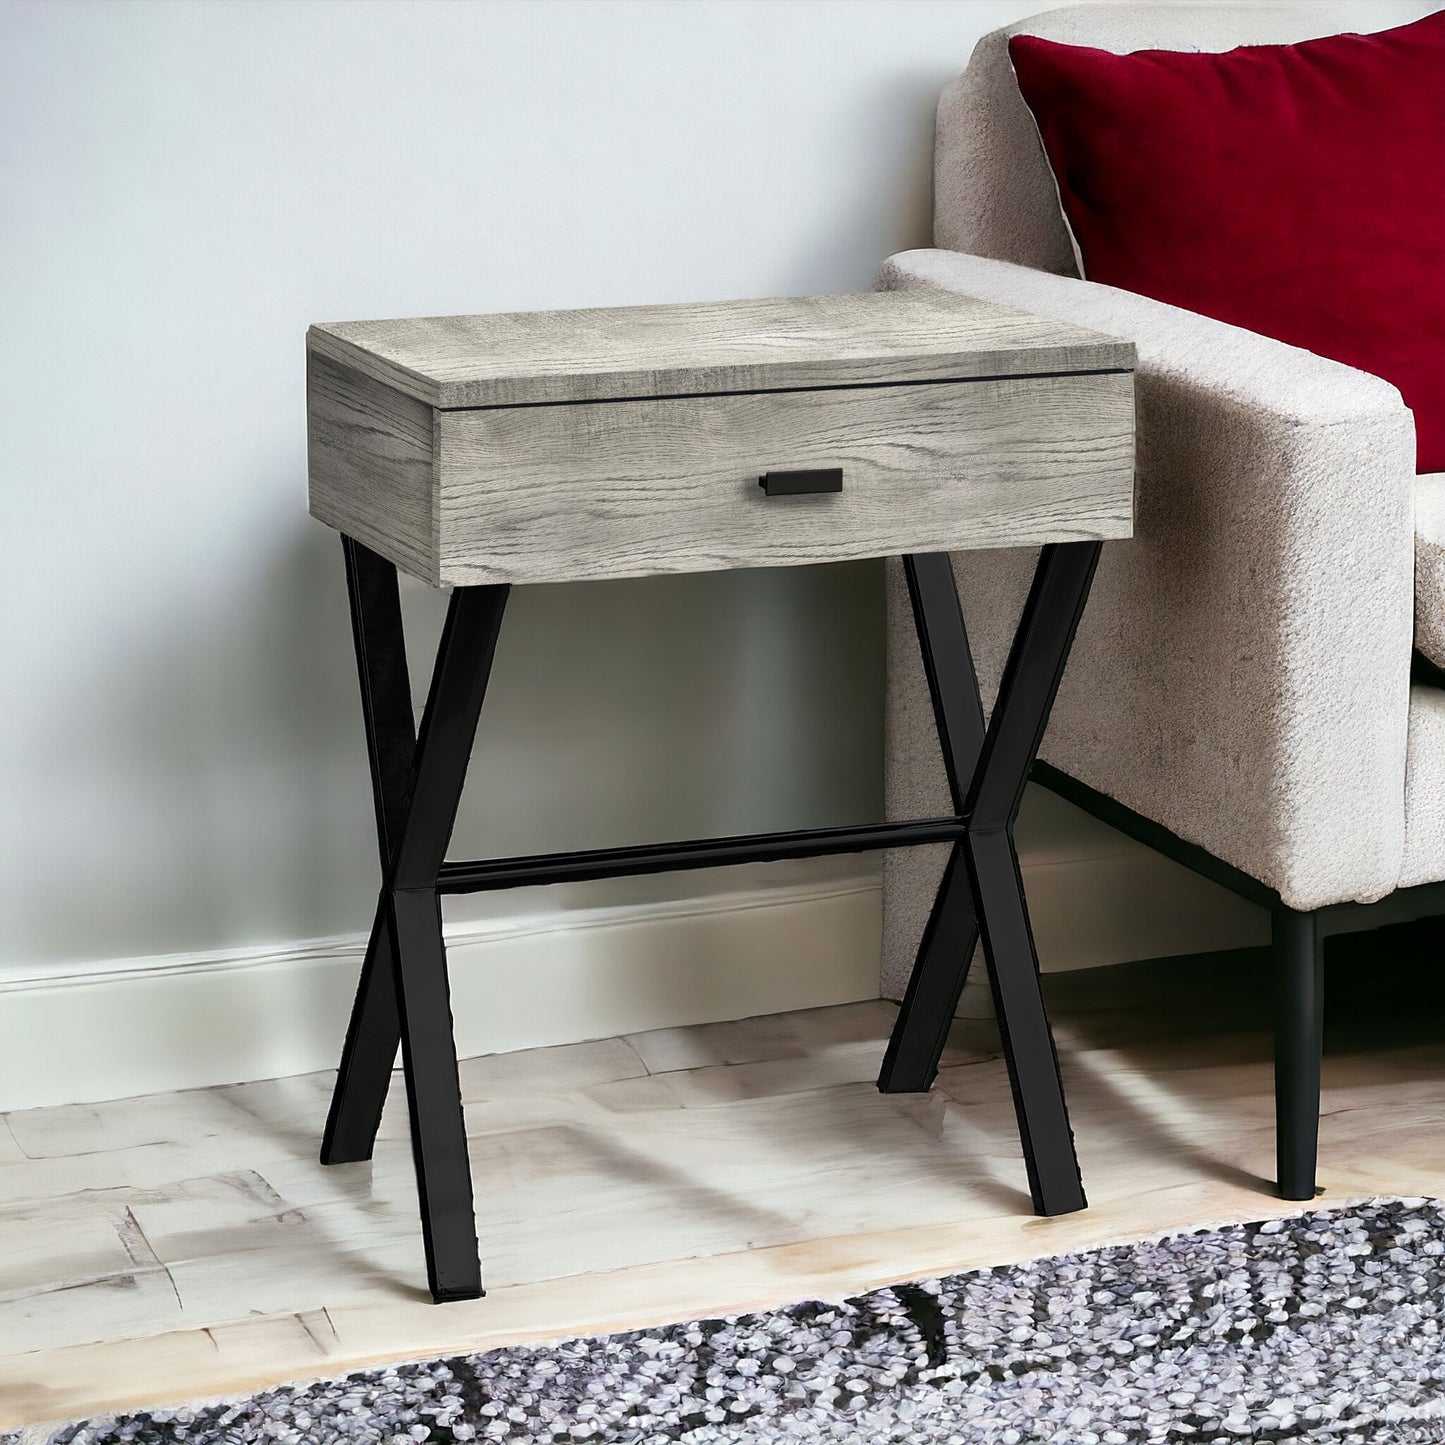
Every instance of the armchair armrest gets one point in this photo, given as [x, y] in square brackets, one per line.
[1242, 674]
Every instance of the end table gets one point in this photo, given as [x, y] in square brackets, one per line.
[483, 452]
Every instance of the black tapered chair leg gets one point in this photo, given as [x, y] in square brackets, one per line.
[1298, 960]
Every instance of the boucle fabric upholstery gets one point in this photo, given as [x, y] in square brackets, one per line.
[1424, 860]
[1430, 566]
[993, 192]
[1303, 782]
[1242, 671]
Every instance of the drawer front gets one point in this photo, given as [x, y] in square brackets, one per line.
[634, 488]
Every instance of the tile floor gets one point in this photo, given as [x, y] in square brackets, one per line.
[189, 1245]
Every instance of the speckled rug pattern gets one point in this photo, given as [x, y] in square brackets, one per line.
[1325, 1328]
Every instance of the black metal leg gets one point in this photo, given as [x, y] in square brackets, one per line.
[434, 1096]
[940, 970]
[920, 1033]
[417, 783]
[404, 994]
[429, 1055]
[363, 1077]
[992, 906]
[369, 1054]
[1298, 1045]
[1055, 1183]
[1030, 680]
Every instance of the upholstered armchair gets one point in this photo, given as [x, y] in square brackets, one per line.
[1240, 694]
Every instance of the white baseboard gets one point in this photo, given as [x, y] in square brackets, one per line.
[1097, 897]
[1090, 912]
[771, 939]
[795, 936]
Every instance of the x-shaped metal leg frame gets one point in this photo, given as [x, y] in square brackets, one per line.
[417, 783]
[981, 893]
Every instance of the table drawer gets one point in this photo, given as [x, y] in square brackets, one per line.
[550, 493]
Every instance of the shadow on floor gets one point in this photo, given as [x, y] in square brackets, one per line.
[1384, 990]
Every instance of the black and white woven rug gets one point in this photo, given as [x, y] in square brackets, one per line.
[1323, 1329]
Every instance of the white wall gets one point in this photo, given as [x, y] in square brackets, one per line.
[183, 188]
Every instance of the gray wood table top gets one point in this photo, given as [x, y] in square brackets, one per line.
[518, 358]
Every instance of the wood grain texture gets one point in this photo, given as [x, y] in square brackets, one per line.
[370, 456]
[630, 489]
[190, 1246]
[643, 351]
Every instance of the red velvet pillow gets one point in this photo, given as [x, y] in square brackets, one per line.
[1297, 190]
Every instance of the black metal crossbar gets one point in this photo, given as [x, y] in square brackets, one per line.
[490, 873]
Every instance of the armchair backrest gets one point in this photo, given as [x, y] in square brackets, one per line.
[993, 192]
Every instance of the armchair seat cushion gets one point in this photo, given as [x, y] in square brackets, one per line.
[1424, 851]
[1430, 566]
[1424, 855]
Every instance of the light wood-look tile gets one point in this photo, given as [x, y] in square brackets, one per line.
[748, 1041]
[190, 1245]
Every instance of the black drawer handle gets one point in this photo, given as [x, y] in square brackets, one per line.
[796, 484]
